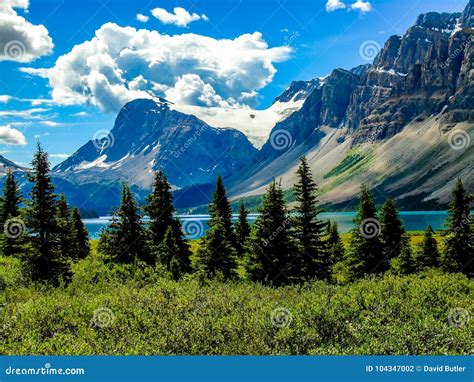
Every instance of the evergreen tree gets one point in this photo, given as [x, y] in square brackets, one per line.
[161, 211]
[459, 244]
[220, 209]
[427, 255]
[404, 264]
[365, 253]
[308, 229]
[216, 255]
[43, 257]
[335, 245]
[391, 234]
[272, 256]
[64, 228]
[11, 242]
[123, 241]
[170, 254]
[80, 247]
[242, 230]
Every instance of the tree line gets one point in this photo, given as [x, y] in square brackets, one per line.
[284, 245]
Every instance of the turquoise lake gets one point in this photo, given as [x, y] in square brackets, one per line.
[196, 225]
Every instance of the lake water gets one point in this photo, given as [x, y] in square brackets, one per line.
[195, 225]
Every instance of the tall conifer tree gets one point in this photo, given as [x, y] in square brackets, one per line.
[80, 236]
[308, 229]
[242, 230]
[220, 209]
[123, 241]
[427, 255]
[272, 257]
[335, 245]
[43, 258]
[10, 212]
[458, 254]
[391, 234]
[64, 228]
[365, 255]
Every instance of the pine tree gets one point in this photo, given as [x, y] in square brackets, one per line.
[220, 209]
[43, 258]
[216, 255]
[64, 228]
[123, 241]
[161, 211]
[241, 230]
[272, 257]
[335, 245]
[80, 247]
[11, 242]
[391, 234]
[427, 255]
[404, 264]
[308, 229]
[170, 255]
[365, 251]
[458, 251]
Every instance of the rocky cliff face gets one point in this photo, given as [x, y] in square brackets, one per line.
[148, 136]
[7, 165]
[420, 74]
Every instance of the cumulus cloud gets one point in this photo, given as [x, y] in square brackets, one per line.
[122, 63]
[181, 17]
[332, 5]
[20, 40]
[5, 98]
[359, 5]
[142, 18]
[11, 136]
[363, 6]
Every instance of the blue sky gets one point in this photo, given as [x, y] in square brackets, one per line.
[299, 40]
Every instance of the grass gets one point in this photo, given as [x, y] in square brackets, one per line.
[121, 310]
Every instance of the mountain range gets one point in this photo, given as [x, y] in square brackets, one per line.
[403, 125]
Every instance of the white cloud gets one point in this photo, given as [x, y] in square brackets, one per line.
[332, 5]
[142, 18]
[20, 40]
[60, 156]
[11, 136]
[181, 17]
[122, 63]
[5, 98]
[28, 113]
[363, 6]
[50, 123]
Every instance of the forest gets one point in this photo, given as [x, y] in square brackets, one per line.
[287, 284]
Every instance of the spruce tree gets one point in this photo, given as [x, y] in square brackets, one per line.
[64, 228]
[272, 257]
[458, 251]
[161, 211]
[80, 237]
[241, 230]
[170, 255]
[335, 245]
[123, 241]
[404, 264]
[216, 255]
[11, 242]
[427, 255]
[308, 229]
[220, 209]
[391, 234]
[43, 257]
[365, 254]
